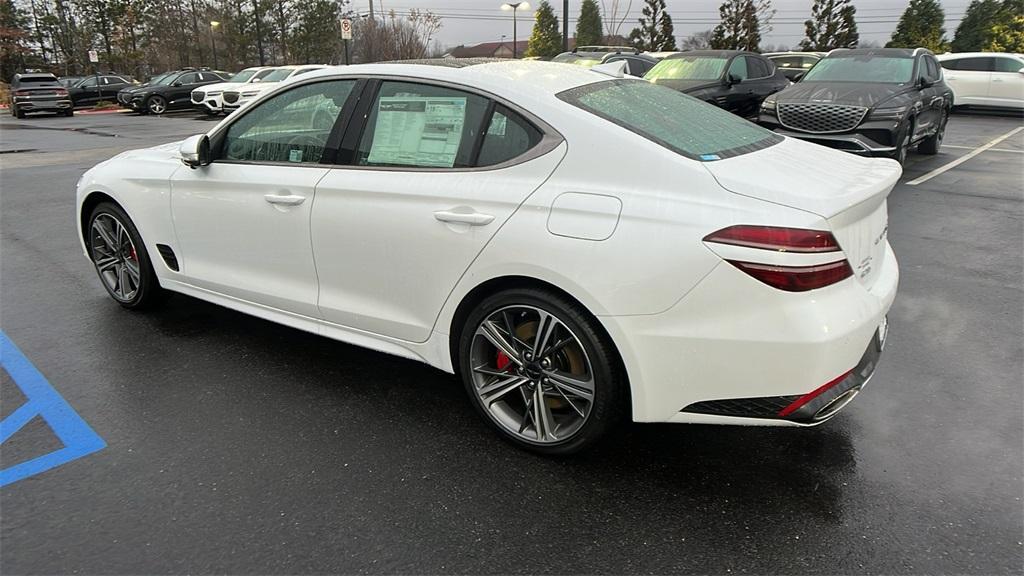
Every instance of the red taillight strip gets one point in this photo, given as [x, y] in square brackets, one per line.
[776, 238]
[796, 278]
[799, 402]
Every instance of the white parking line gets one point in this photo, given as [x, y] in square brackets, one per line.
[989, 150]
[963, 158]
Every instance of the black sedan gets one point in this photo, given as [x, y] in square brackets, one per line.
[97, 88]
[877, 102]
[735, 80]
[39, 92]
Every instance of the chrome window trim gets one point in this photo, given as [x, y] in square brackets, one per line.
[550, 137]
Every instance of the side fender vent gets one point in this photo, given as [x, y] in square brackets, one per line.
[168, 255]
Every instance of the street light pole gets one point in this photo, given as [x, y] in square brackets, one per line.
[213, 40]
[514, 7]
[565, 25]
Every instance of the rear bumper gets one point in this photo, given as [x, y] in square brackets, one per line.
[732, 338]
[41, 104]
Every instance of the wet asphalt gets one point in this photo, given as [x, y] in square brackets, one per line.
[234, 445]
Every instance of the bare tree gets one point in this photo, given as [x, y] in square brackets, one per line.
[697, 41]
[396, 37]
[610, 17]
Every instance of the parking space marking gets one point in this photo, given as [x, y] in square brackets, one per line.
[1011, 151]
[43, 401]
[963, 158]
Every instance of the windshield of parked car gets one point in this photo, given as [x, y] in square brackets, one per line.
[243, 76]
[671, 119]
[688, 68]
[862, 68]
[577, 59]
[278, 75]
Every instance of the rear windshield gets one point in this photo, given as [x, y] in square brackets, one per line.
[862, 68]
[577, 60]
[37, 80]
[688, 68]
[672, 119]
[278, 75]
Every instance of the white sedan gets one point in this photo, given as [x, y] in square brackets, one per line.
[578, 248]
[985, 79]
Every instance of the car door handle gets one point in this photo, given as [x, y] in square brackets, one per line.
[471, 218]
[285, 200]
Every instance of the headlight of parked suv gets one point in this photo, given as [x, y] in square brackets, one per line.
[768, 106]
[888, 113]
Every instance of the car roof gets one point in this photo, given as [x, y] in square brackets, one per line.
[949, 55]
[794, 53]
[503, 77]
[35, 75]
[711, 53]
[886, 52]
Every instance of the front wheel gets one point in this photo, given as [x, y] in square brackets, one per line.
[120, 258]
[931, 144]
[904, 138]
[156, 105]
[541, 371]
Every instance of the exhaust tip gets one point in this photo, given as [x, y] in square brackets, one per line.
[837, 404]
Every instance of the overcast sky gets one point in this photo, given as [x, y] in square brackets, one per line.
[475, 21]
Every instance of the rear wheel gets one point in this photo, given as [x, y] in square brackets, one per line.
[69, 112]
[18, 113]
[931, 144]
[539, 369]
[120, 258]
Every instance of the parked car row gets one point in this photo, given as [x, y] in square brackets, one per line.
[168, 91]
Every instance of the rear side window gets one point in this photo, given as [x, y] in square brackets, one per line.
[507, 137]
[981, 64]
[189, 78]
[1008, 65]
[421, 126]
[758, 68]
[671, 119]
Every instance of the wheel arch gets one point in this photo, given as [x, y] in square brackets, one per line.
[89, 203]
[497, 284]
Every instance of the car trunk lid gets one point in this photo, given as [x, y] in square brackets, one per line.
[848, 191]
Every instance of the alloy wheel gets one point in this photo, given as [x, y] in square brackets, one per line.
[114, 255]
[157, 105]
[532, 374]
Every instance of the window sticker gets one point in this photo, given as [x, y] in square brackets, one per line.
[498, 122]
[295, 155]
[418, 131]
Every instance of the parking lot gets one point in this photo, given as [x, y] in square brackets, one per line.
[235, 445]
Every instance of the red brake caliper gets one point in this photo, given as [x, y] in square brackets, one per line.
[503, 360]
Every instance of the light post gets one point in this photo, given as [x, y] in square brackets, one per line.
[213, 41]
[514, 7]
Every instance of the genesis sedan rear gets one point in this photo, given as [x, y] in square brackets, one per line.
[579, 248]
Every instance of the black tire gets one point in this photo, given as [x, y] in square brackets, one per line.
[931, 144]
[155, 104]
[611, 397]
[69, 112]
[19, 114]
[147, 291]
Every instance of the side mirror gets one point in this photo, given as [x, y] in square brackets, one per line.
[732, 79]
[176, 84]
[195, 151]
[1021, 71]
[925, 83]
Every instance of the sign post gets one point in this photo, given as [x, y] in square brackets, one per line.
[346, 35]
[94, 58]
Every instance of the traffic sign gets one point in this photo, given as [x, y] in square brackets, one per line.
[346, 29]
[94, 56]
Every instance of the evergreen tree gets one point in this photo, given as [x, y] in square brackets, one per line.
[546, 40]
[742, 22]
[589, 29]
[655, 32]
[921, 27]
[973, 32]
[1007, 36]
[13, 36]
[832, 25]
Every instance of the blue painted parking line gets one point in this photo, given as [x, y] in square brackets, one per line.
[43, 401]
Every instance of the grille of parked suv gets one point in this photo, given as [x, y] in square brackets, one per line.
[231, 97]
[198, 95]
[820, 118]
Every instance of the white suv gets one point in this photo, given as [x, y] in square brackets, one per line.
[989, 79]
[238, 96]
[210, 98]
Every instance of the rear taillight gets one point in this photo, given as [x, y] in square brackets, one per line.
[776, 238]
[797, 278]
[795, 240]
[22, 93]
